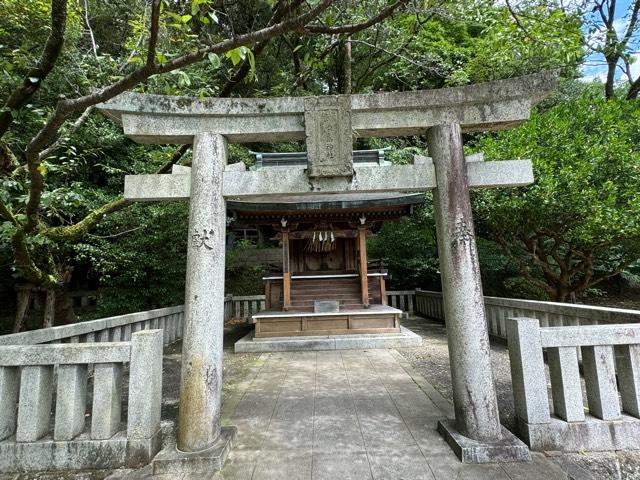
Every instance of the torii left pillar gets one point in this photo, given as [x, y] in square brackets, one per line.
[201, 383]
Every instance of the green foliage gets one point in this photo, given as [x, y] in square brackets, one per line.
[137, 255]
[584, 208]
[545, 38]
[138, 258]
[23, 30]
[410, 250]
[241, 278]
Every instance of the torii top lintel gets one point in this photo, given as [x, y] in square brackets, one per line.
[485, 106]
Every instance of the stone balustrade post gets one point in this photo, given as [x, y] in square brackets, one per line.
[565, 383]
[530, 396]
[34, 406]
[106, 413]
[600, 380]
[628, 363]
[9, 390]
[71, 398]
[145, 384]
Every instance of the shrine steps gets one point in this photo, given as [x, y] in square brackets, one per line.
[404, 339]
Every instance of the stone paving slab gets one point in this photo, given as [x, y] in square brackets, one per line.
[350, 415]
[335, 379]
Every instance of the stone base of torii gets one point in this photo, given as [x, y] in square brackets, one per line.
[329, 124]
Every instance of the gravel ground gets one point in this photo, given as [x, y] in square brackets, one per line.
[431, 360]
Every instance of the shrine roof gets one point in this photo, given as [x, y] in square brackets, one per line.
[325, 202]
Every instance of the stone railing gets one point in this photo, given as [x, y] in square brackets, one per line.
[550, 314]
[31, 376]
[112, 329]
[402, 299]
[243, 307]
[611, 368]
[429, 304]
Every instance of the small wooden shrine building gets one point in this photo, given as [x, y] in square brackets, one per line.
[325, 286]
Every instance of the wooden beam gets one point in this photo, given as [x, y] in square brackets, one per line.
[286, 272]
[362, 248]
[267, 295]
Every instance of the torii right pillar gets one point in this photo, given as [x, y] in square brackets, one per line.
[476, 435]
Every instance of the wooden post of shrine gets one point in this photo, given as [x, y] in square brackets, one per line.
[286, 271]
[362, 248]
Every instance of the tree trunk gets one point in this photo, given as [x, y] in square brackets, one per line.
[64, 309]
[559, 294]
[345, 67]
[23, 306]
[610, 82]
[49, 308]
[634, 90]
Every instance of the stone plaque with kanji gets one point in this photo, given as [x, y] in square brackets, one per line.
[328, 133]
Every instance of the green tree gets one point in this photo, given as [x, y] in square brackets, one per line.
[409, 249]
[56, 72]
[579, 223]
[612, 35]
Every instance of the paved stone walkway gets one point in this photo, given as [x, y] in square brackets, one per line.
[350, 415]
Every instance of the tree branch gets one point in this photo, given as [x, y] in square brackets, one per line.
[24, 263]
[60, 140]
[357, 27]
[634, 89]
[175, 158]
[397, 55]
[633, 20]
[8, 161]
[525, 30]
[65, 108]
[70, 233]
[244, 68]
[86, 20]
[522, 267]
[153, 33]
[606, 276]
[89, 222]
[35, 76]
[6, 213]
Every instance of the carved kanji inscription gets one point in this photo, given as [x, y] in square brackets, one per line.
[329, 139]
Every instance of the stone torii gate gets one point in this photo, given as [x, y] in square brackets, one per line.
[329, 124]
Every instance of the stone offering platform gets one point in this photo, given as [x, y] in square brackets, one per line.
[345, 321]
[405, 339]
